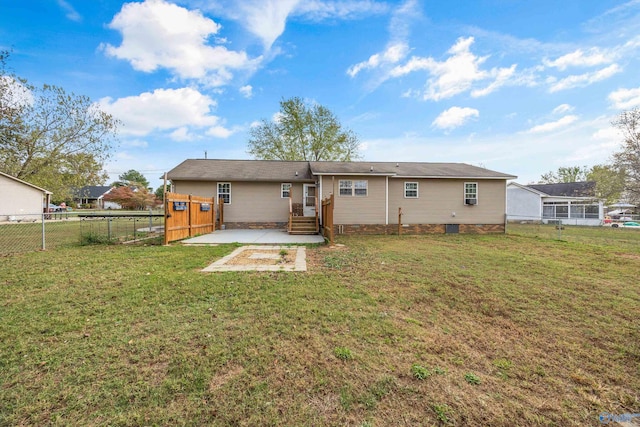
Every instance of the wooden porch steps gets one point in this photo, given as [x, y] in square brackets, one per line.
[303, 225]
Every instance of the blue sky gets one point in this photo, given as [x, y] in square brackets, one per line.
[521, 87]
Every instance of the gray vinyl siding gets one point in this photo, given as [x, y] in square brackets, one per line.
[369, 209]
[523, 204]
[439, 198]
[250, 201]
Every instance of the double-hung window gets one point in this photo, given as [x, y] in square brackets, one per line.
[285, 190]
[224, 192]
[353, 188]
[470, 193]
[410, 190]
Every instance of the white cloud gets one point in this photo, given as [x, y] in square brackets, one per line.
[455, 117]
[161, 109]
[71, 13]
[579, 58]
[551, 126]
[391, 55]
[585, 79]
[317, 10]
[124, 155]
[14, 93]
[135, 143]
[397, 48]
[562, 108]
[246, 91]
[220, 132]
[277, 116]
[182, 134]
[501, 77]
[456, 74]
[625, 98]
[157, 34]
[267, 19]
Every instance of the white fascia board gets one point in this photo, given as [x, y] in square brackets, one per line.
[475, 178]
[352, 174]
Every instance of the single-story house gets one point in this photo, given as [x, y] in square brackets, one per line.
[93, 195]
[20, 200]
[433, 197]
[570, 202]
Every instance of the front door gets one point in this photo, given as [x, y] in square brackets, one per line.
[309, 200]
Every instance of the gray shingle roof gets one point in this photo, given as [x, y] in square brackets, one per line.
[408, 169]
[91, 191]
[240, 170]
[275, 170]
[567, 189]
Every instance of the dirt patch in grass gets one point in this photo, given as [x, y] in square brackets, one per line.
[264, 257]
[225, 375]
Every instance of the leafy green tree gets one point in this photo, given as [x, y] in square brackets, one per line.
[610, 182]
[160, 191]
[628, 158]
[51, 138]
[609, 179]
[303, 132]
[565, 174]
[132, 178]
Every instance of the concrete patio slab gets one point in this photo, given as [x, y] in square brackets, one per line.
[268, 237]
[224, 264]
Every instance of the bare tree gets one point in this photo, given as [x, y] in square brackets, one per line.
[628, 159]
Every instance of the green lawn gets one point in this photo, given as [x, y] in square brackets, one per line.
[27, 236]
[430, 330]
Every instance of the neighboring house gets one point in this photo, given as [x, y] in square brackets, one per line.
[571, 202]
[434, 197]
[93, 195]
[20, 200]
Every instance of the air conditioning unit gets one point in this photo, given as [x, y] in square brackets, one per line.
[470, 201]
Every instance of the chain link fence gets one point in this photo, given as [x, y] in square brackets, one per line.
[575, 230]
[32, 232]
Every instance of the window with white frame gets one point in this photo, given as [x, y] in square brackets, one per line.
[568, 209]
[353, 188]
[224, 192]
[285, 190]
[410, 190]
[470, 193]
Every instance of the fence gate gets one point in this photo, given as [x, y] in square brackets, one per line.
[327, 218]
[187, 216]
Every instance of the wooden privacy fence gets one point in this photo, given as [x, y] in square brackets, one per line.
[187, 216]
[327, 218]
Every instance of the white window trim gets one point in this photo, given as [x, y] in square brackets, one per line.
[417, 190]
[465, 193]
[353, 188]
[282, 190]
[218, 191]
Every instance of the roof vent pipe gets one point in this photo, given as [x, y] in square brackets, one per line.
[371, 169]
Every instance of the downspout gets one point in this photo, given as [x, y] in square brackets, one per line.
[319, 208]
[386, 200]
